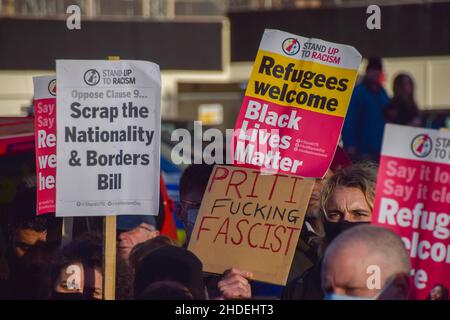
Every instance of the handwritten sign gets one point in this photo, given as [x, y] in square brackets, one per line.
[250, 221]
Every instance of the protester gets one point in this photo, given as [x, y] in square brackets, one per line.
[438, 292]
[26, 229]
[125, 269]
[77, 270]
[27, 234]
[132, 231]
[311, 238]
[193, 184]
[170, 263]
[346, 200]
[366, 262]
[141, 250]
[129, 235]
[403, 108]
[348, 197]
[30, 276]
[364, 123]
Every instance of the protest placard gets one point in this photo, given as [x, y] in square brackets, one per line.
[413, 199]
[250, 221]
[108, 137]
[45, 142]
[295, 104]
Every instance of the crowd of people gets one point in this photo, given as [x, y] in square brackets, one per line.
[336, 246]
[371, 108]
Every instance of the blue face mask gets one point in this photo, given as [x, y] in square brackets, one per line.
[334, 296]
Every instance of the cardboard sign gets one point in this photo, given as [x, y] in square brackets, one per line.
[45, 142]
[295, 104]
[250, 221]
[108, 135]
[413, 199]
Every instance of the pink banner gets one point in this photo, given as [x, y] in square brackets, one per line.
[306, 152]
[45, 143]
[413, 199]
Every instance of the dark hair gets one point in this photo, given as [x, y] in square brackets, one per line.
[374, 63]
[30, 278]
[86, 250]
[195, 178]
[398, 82]
[170, 263]
[361, 175]
[165, 290]
[141, 250]
[22, 213]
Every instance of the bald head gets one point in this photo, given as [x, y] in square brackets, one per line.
[361, 252]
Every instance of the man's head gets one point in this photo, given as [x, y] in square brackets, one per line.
[77, 271]
[314, 217]
[193, 184]
[127, 240]
[170, 263]
[347, 198]
[366, 262]
[141, 250]
[26, 229]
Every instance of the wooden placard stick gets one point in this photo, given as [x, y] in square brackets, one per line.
[109, 250]
[67, 231]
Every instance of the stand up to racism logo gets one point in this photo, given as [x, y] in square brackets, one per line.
[52, 87]
[91, 77]
[421, 145]
[291, 46]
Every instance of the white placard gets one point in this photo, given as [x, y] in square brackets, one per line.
[108, 133]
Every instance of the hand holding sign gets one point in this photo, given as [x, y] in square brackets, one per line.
[235, 284]
[246, 218]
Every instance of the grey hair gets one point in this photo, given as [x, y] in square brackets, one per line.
[361, 175]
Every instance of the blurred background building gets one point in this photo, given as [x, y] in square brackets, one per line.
[206, 47]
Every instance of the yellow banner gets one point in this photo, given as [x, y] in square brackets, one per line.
[301, 84]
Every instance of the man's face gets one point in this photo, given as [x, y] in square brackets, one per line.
[350, 204]
[187, 211]
[27, 238]
[128, 239]
[345, 272]
[72, 280]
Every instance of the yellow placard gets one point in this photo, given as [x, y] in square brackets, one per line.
[301, 84]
